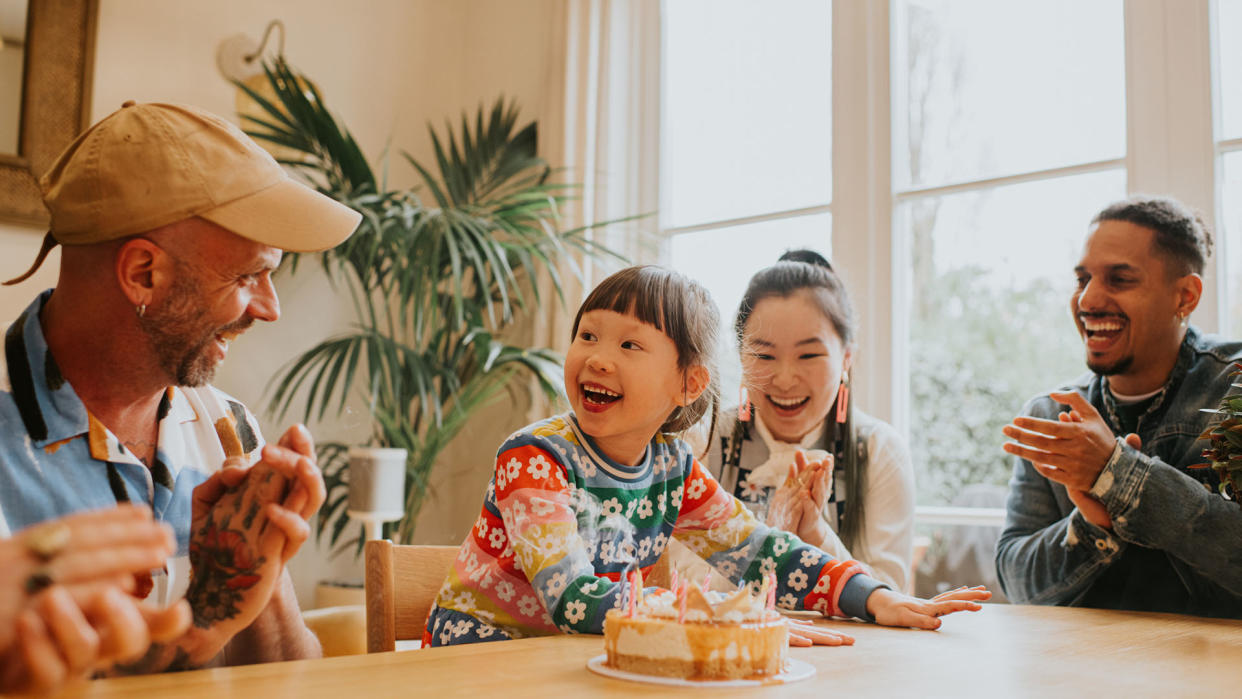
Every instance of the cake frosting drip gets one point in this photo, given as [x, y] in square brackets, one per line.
[738, 607]
[698, 635]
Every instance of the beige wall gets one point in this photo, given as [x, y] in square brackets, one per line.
[386, 67]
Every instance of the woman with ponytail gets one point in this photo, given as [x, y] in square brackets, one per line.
[796, 450]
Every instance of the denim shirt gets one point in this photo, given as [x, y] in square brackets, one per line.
[1175, 543]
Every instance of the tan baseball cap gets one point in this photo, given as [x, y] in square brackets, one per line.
[149, 165]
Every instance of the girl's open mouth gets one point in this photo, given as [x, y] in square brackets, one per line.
[596, 395]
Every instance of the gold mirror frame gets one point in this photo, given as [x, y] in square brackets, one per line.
[60, 49]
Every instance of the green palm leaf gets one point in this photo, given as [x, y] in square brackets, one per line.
[433, 285]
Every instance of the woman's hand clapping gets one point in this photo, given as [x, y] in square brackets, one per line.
[797, 505]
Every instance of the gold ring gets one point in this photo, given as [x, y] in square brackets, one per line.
[46, 540]
[39, 580]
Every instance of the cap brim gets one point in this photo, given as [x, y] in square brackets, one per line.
[289, 216]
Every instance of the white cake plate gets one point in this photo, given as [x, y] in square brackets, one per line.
[794, 670]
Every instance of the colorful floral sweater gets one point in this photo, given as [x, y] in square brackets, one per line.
[538, 561]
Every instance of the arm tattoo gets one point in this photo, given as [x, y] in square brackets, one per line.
[222, 567]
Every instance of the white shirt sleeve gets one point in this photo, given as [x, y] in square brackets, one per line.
[888, 527]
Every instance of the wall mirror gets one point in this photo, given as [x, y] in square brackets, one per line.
[43, 111]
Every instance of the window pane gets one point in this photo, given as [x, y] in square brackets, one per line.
[1229, 67]
[984, 88]
[747, 122]
[989, 317]
[1231, 226]
[724, 259]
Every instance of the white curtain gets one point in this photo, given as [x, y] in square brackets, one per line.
[605, 132]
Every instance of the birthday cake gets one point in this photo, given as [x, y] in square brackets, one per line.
[700, 636]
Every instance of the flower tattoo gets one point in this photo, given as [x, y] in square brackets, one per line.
[222, 568]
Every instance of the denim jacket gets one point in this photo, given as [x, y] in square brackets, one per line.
[1176, 544]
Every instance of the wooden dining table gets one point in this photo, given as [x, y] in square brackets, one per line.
[1001, 651]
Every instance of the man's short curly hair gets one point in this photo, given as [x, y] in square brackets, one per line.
[1181, 233]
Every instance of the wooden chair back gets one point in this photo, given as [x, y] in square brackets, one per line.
[401, 586]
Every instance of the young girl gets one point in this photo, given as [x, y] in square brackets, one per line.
[795, 328]
[636, 376]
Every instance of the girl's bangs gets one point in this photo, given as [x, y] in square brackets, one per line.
[637, 291]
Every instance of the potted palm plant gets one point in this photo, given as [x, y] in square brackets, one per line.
[433, 283]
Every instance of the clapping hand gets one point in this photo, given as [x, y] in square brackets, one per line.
[797, 504]
[247, 523]
[1071, 450]
[65, 607]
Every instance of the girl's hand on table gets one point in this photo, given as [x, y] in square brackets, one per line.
[804, 632]
[895, 609]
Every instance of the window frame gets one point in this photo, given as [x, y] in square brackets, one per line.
[1166, 152]
[1170, 149]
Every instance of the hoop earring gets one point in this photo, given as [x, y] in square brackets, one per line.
[843, 397]
[743, 405]
[141, 309]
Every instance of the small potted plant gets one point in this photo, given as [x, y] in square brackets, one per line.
[1224, 450]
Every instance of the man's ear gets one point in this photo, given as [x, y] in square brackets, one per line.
[141, 269]
[694, 383]
[1189, 292]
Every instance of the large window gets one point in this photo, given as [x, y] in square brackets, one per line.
[745, 161]
[1228, 133]
[970, 143]
[1009, 132]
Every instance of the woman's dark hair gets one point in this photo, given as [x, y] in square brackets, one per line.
[807, 270]
[681, 309]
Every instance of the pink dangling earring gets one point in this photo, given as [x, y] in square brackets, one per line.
[843, 397]
[743, 405]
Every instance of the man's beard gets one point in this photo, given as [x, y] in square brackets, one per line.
[179, 334]
[1120, 366]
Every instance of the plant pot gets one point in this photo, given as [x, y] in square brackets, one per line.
[376, 487]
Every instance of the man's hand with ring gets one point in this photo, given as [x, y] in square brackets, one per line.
[64, 607]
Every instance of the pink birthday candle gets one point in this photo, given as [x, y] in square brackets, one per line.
[633, 594]
[771, 591]
[672, 584]
[707, 581]
[681, 607]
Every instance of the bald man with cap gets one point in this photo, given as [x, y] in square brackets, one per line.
[171, 223]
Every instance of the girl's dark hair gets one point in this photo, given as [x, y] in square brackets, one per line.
[682, 310]
[807, 270]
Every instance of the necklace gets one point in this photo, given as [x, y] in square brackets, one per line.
[1110, 403]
